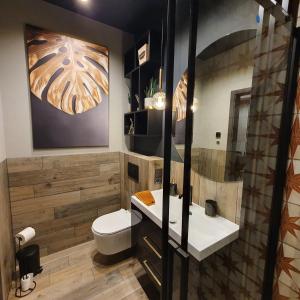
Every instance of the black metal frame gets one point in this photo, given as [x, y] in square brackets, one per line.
[171, 9]
[281, 164]
[184, 260]
[189, 122]
[169, 249]
[194, 5]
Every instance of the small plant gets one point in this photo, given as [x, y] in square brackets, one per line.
[152, 88]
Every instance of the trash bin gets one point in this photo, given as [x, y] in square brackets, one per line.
[29, 260]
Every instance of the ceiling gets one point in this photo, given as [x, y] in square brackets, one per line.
[133, 16]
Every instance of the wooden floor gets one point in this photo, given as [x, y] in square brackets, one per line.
[74, 274]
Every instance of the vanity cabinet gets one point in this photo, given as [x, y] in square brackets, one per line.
[147, 238]
[148, 244]
[207, 235]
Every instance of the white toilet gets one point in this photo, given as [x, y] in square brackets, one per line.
[112, 234]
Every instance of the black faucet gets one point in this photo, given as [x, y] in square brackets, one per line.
[191, 196]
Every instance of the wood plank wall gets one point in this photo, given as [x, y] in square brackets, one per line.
[208, 162]
[147, 166]
[60, 196]
[227, 194]
[6, 241]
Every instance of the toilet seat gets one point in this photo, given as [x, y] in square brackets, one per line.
[113, 223]
[112, 233]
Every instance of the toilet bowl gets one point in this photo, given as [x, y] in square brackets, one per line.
[112, 235]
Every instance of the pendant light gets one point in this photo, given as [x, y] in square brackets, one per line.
[160, 96]
[159, 102]
[195, 105]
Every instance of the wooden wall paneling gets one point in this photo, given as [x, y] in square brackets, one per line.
[195, 159]
[227, 198]
[147, 166]
[32, 218]
[58, 162]
[52, 175]
[204, 162]
[227, 194]
[154, 165]
[52, 188]
[24, 164]
[21, 193]
[132, 186]
[7, 248]
[195, 182]
[31, 204]
[177, 175]
[221, 164]
[96, 203]
[60, 196]
[213, 163]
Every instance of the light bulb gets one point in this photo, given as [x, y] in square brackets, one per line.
[195, 105]
[160, 100]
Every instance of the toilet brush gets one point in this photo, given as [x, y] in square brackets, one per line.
[26, 282]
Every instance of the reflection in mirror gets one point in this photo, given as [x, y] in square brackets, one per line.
[222, 98]
[221, 105]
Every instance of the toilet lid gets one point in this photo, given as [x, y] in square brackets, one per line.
[113, 222]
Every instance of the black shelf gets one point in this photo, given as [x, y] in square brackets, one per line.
[131, 62]
[147, 123]
[140, 75]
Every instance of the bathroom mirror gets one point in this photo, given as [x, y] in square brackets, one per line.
[223, 82]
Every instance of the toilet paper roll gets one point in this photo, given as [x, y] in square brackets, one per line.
[25, 235]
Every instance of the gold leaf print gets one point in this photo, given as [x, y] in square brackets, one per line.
[73, 73]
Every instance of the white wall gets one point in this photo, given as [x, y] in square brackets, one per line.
[216, 78]
[2, 139]
[13, 71]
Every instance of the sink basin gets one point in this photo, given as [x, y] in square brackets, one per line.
[206, 234]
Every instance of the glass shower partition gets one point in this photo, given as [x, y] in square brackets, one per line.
[240, 269]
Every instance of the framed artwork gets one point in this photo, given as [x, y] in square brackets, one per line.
[69, 90]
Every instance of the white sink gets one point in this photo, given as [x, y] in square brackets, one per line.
[206, 234]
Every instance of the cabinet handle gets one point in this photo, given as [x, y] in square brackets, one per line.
[145, 263]
[151, 247]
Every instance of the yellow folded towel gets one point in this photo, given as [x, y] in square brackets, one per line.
[146, 197]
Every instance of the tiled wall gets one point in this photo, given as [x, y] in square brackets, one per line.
[60, 196]
[6, 241]
[287, 276]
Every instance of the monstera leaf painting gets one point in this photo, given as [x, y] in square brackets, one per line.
[179, 98]
[73, 71]
[67, 74]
